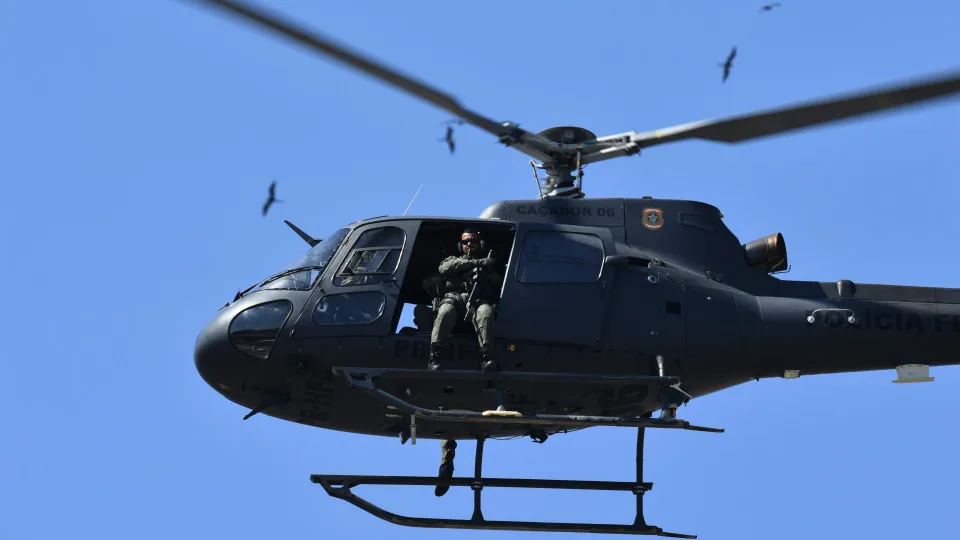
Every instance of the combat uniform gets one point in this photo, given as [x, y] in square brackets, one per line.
[459, 274]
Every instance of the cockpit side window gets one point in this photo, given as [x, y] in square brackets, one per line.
[374, 258]
[349, 308]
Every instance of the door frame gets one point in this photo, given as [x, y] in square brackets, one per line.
[390, 287]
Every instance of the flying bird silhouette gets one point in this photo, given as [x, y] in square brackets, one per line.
[449, 137]
[728, 64]
[272, 198]
[768, 7]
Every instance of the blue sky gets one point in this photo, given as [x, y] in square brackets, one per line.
[138, 139]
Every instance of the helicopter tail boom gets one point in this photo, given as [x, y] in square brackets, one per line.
[855, 328]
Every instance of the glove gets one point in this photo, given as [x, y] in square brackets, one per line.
[486, 263]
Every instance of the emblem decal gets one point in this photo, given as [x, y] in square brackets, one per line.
[652, 218]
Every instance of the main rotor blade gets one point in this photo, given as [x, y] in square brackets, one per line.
[510, 135]
[753, 126]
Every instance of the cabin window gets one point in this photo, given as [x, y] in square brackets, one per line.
[349, 308]
[560, 257]
[374, 257]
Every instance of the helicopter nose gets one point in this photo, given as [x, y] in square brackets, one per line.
[213, 354]
[237, 343]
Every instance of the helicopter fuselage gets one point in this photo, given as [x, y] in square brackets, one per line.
[591, 286]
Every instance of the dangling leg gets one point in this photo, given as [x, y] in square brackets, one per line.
[483, 322]
[448, 450]
[442, 325]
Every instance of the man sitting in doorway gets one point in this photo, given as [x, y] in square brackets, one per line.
[469, 271]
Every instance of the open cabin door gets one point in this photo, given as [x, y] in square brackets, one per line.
[556, 285]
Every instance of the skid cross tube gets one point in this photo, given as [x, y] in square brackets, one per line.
[594, 485]
[339, 486]
[363, 379]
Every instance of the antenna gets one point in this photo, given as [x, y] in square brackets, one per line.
[413, 199]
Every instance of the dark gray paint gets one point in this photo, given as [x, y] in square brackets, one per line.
[754, 327]
[654, 297]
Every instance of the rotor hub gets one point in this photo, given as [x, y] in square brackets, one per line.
[567, 135]
[564, 170]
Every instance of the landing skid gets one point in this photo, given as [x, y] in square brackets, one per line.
[339, 486]
[363, 379]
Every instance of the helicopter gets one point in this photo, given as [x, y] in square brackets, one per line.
[671, 306]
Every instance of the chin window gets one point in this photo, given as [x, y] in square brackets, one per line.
[254, 330]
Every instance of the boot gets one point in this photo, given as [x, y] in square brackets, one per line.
[448, 450]
[434, 362]
[446, 472]
[486, 362]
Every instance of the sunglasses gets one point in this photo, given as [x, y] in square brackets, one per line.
[470, 241]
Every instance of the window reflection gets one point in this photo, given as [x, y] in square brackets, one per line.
[300, 280]
[302, 274]
[374, 258]
[255, 329]
[560, 257]
[349, 308]
[320, 254]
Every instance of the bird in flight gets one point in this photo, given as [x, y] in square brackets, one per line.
[272, 197]
[768, 7]
[728, 64]
[449, 137]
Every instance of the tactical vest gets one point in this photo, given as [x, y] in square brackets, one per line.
[459, 284]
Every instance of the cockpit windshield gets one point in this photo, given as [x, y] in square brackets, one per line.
[302, 274]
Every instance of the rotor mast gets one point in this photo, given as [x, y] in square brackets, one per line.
[564, 170]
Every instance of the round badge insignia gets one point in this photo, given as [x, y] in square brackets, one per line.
[652, 218]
